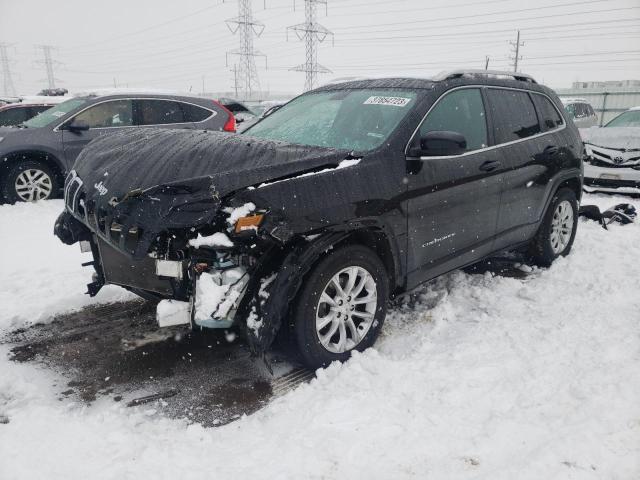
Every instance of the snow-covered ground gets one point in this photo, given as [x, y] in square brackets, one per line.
[488, 377]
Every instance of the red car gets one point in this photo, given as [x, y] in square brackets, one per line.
[15, 113]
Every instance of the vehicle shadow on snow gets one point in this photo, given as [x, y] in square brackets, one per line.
[117, 353]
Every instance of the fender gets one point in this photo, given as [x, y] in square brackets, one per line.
[269, 304]
[573, 174]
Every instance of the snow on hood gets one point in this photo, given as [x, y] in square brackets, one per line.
[161, 179]
[143, 158]
[627, 138]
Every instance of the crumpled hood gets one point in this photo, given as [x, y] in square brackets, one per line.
[155, 180]
[627, 138]
[145, 158]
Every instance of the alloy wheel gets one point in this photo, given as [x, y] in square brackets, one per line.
[561, 227]
[33, 184]
[346, 309]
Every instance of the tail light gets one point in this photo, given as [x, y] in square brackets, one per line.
[230, 125]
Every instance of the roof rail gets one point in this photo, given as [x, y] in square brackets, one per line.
[448, 75]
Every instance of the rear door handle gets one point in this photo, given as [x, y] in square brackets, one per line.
[490, 165]
[551, 150]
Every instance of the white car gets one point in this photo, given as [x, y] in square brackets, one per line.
[613, 155]
[581, 112]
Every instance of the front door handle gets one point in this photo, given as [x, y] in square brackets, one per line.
[490, 165]
[551, 150]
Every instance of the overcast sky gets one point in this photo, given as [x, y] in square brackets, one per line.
[175, 44]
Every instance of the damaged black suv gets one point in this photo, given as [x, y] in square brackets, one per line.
[343, 198]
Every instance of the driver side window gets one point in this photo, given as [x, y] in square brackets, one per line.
[460, 111]
[115, 113]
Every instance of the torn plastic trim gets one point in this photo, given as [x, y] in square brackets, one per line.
[281, 292]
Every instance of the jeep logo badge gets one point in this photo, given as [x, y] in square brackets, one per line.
[102, 190]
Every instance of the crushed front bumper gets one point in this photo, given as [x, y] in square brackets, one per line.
[615, 179]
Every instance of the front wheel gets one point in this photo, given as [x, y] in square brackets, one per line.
[558, 229]
[29, 181]
[341, 307]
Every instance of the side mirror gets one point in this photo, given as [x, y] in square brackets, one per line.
[77, 127]
[439, 144]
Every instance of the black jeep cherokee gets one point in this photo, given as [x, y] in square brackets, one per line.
[318, 214]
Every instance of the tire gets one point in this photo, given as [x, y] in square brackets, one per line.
[38, 180]
[361, 320]
[552, 239]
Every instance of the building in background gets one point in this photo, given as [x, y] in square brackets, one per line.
[608, 99]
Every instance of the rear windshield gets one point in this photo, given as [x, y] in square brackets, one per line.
[358, 120]
[55, 113]
[626, 119]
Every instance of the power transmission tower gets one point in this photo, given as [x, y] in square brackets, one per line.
[246, 27]
[515, 47]
[7, 81]
[312, 33]
[48, 63]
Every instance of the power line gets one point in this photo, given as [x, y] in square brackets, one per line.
[48, 63]
[246, 75]
[7, 80]
[312, 33]
[518, 11]
[515, 48]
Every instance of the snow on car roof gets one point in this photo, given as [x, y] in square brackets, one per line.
[566, 101]
[635, 108]
[106, 92]
[43, 99]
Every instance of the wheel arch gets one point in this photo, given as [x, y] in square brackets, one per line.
[574, 184]
[48, 158]
[291, 265]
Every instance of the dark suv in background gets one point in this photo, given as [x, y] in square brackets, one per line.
[16, 113]
[310, 221]
[36, 155]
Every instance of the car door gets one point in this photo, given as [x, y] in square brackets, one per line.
[101, 118]
[453, 200]
[524, 136]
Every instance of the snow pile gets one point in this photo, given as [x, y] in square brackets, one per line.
[39, 275]
[172, 312]
[209, 295]
[218, 239]
[486, 377]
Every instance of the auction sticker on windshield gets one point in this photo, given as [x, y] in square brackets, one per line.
[393, 101]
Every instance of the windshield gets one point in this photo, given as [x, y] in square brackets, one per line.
[359, 120]
[627, 119]
[54, 113]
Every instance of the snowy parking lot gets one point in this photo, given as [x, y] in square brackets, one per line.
[497, 373]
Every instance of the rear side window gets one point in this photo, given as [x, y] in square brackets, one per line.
[159, 112]
[513, 115]
[193, 113]
[549, 116]
[460, 111]
[13, 116]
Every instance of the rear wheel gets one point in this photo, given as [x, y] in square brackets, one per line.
[341, 307]
[558, 229]
[29, 181]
